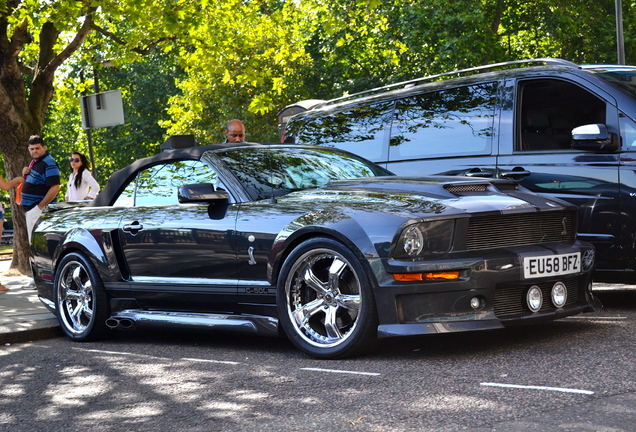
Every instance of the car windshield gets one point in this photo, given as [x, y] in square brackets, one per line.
[275, 170]
[621, 77]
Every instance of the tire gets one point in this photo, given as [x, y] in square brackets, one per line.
[325, 303]
[80, 299]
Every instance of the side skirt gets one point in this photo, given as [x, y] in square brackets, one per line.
[244, 324]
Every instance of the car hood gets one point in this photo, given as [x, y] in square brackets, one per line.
[430, 196]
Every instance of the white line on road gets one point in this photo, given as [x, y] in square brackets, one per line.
[211, 361]
[597, 318]
[149, 356]
[559, 389]
[341, 371]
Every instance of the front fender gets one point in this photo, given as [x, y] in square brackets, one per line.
[336, 225]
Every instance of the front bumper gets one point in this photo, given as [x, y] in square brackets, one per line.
[494, 280]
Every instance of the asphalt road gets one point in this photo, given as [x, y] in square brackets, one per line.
[576, 374]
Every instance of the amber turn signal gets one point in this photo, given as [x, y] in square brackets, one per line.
[410, 277]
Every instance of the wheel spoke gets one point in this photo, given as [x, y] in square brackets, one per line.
[313, 282]
[351, 302]
[304, 313]
[331, 324]
[335, 271]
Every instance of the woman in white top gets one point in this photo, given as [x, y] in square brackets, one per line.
[81, 184]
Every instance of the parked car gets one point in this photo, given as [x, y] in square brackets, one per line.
[556, 128]
[318, 242]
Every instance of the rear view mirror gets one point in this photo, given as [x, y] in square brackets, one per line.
[203, 192]
[594, 137]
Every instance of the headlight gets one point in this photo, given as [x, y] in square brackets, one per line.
[425, 238]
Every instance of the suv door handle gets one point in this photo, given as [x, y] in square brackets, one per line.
[513, 173]
[478, 172]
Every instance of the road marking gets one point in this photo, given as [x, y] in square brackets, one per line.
[597, 318]
[114, 352]
[341, 371]
[559, 389]
[211, 361]
[150, 356]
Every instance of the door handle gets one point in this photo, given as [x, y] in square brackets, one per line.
[478, 172]
[133, 228]
[515, 173]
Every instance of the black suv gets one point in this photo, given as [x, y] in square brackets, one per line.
[555, 127]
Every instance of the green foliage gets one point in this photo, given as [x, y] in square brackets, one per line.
[146, 87]
[215, 61]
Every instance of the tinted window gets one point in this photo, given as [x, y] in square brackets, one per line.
[450, 122]
[360, 130]
[628, 132]
[158, 185]
[621, 77]
[279, 171]
[550, 109]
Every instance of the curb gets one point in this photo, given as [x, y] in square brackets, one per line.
[29, 331]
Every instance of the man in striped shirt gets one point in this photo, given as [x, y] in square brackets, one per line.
[41, 184]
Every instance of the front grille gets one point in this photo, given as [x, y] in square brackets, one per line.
[520, 229]
[511, 301]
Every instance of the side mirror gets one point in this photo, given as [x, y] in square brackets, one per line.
[203, 192]
[594, 137]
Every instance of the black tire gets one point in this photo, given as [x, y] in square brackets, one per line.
[325, 303]
[80, 299]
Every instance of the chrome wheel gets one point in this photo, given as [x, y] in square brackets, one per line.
[327, 303]
[80, 299]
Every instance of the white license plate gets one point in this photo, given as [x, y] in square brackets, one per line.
[551, 265]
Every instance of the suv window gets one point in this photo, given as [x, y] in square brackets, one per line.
[359, 130]
[550, 109]
[456, 121]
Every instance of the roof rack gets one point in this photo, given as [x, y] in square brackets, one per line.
[478, 69]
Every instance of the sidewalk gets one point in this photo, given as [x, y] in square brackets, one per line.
[23, 317]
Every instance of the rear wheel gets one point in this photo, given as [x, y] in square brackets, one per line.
[325, 302]
[80, 299]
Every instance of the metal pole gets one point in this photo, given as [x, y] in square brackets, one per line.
[89, 136]
[620, 45]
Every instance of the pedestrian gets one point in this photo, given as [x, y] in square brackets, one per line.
[41, 185]
[235, 131]
[41, 182]
[81, 184]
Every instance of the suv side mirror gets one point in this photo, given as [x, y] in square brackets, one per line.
[203, 192]
[594, 137]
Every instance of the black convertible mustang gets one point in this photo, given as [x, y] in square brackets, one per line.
[316, 242]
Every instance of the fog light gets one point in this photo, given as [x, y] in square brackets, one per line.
[559, 294]
[534, 298]
[475, 303]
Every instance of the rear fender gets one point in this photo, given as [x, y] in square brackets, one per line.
[82, 240]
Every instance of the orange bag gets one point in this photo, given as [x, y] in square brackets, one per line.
[18, 193]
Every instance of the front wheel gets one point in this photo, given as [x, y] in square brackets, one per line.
[80, 299]
[325, 302]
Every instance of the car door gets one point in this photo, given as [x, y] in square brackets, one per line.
[535, 149]
[179, 256]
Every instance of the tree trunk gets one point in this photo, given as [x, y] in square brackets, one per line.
[16, 157]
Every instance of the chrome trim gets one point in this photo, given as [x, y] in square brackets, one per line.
[254, 283]
[245, 324]
[48, 303]
[196, 281]
[182, 281]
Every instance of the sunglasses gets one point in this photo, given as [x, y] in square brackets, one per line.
[74, 159]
